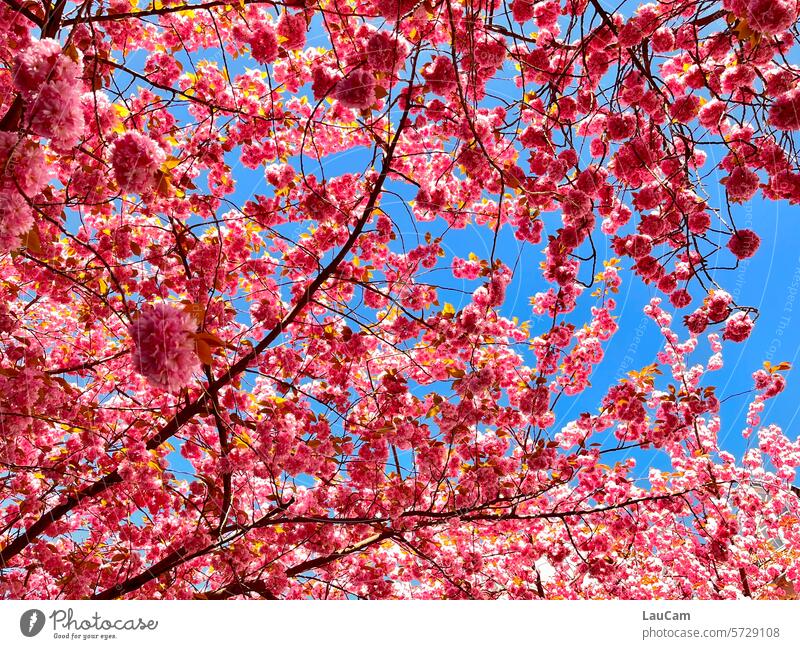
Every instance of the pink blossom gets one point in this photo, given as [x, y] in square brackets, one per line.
[621, 126]
[324, 80]
[49, 83]
[771, 384]
[56, 113]
[668, 283]
[771, 17]
[736, 7]
[8, 320]
[440, 76]
[684, 109]
[780, 80]
[742, 184]
[22, 164]
[680, 298]
[292, 28]
[784, 113]
[738, 327]
[386, 52]
[266, 311]
[699, 222]
[575, 204]
[356, 90]
[489, 54]
[42, 62]
[744, 243]
[696, 322]
[547, 13]
[466, 269]
[662, 40]
[16, 218]
[718, 305]
[567, 109]
[164, 347]
[711, 114]
[522, 10]
[136, 159]
[394, 9]
[738, 78]
[98, 112]
[22, 169]
[162, 68]
[264, 43]
[597, 148]
[279, 175]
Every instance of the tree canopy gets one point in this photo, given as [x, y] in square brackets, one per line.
[256, 270]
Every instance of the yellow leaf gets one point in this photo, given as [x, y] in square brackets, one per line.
[170, 163]
[72, 52]
[32, 241]
[203, 351]
[780, 367]
[164, 185]
[197, 311]
[210, 339]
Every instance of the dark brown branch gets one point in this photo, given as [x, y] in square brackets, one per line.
[239, 588]
[322, 561]
[243, 587]
[87, 365]
[23, 11]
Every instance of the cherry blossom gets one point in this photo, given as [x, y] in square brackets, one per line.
[356, 90]
[327, 300]
[136, 159]
[738, 328]
[744, 243]
[164, 350]
[769, 17]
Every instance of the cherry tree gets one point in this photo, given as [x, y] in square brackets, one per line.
[247, 351]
